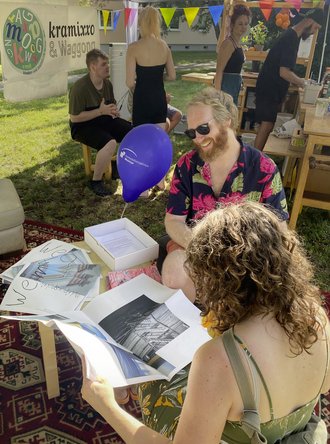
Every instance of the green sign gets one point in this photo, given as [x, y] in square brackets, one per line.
[24, 40]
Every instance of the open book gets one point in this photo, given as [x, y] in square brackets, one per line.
[139, 331]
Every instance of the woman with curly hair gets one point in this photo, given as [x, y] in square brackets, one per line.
[251, 275]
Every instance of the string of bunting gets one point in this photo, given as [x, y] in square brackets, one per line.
[167, 14]
[190, 13]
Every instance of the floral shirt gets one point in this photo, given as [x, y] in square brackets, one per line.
[254, 177]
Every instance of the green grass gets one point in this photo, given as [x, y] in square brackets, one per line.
[46, 166]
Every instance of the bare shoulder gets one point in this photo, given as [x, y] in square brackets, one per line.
[227, 45]
[213, 357]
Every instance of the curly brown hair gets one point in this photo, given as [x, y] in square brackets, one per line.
[238, 11]
[244, 262]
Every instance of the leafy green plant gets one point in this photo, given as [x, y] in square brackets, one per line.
[259, 33]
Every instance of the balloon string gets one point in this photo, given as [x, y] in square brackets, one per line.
[122, 214]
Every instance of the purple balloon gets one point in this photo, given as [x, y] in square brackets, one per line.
[144, 157]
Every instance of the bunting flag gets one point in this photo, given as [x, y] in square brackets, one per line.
[216, 12]
[315, 3]
[132, 16]
[190, 14]
[116, 15]
[266, 7]
[127, 14]
[167, 14]
[105, 15]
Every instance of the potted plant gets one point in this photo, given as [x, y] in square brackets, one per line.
[259, 34]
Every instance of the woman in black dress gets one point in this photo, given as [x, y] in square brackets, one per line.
[230, 54]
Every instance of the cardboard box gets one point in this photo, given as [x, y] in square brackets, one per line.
[121, 244]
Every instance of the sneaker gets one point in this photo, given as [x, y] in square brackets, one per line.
[97, 186]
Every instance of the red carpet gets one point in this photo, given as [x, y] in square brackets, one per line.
[27, 416]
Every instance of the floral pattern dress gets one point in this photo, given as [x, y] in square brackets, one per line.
[253, 177]
[162, 402]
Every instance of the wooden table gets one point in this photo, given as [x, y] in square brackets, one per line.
[318, 131]
[48, 339]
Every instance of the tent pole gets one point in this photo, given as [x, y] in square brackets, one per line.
[324, 45]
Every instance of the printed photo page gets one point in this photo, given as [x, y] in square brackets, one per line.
[61, 282]
[139, 331]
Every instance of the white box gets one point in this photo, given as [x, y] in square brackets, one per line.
[121, 244]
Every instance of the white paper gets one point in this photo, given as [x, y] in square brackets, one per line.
[59, 283]
[120, 243]
[51, 248]
[134, 317]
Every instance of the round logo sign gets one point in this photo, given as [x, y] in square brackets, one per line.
[24, 40]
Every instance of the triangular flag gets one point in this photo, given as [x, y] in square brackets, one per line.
[116, 16]
[266, 7]
[190, 14]
[315, 3]
[216, 12]
[127, 14]
[167, 14]
[132, 16]
[105, 15]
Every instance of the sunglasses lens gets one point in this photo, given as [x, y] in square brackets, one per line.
[190, 133]
[203, 129]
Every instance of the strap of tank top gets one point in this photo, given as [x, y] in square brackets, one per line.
[233, 41]
[327, 363]
[249, 355]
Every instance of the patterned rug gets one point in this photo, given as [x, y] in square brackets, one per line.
[27, 416]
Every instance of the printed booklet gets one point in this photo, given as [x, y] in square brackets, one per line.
[139, 331]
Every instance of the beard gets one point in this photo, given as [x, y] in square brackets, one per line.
[219, 145]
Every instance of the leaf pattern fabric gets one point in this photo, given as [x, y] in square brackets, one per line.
[254, 176]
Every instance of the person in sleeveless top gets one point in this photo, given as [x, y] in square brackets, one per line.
[231, 57]
[146, 61]
[252, 275]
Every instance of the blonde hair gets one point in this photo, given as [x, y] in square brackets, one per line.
[149, 22]
[222, 104]
[243, 262]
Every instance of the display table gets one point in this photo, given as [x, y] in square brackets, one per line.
[318, 131]
[47, 334]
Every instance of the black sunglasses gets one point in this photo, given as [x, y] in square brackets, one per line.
[202, 129]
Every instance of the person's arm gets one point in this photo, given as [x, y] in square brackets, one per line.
[225, 52]
[177, 229]
[170, 68]
[103, 109]
[130, 67]
[204, 412]
[290, 76]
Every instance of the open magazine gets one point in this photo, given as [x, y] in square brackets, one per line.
[55, 276]
[139, 331]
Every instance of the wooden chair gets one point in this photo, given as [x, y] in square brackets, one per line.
[89, 166]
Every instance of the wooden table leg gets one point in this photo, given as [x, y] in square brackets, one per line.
[301, 183]
[50, 361]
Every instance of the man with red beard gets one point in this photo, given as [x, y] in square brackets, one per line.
[219, 171]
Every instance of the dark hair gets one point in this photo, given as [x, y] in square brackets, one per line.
[93, 55]
[238, 11]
